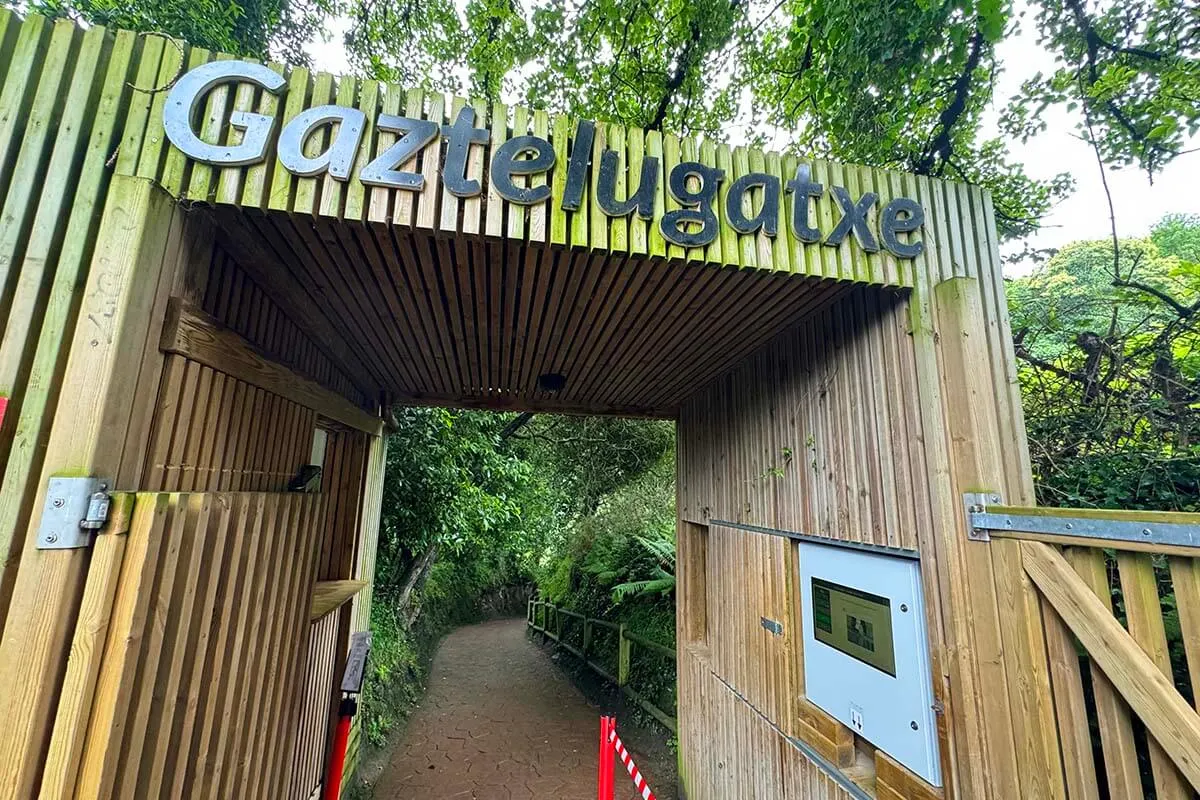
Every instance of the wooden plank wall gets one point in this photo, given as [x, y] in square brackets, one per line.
[743, 755]
[194, 696]
[319, 673]
[866, 423]
[765, 444]
[233, 298]
[62, 104]
[364, 570]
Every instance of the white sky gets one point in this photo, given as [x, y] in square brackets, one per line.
[1083, 215]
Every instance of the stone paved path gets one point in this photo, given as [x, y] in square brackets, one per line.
[500, 721]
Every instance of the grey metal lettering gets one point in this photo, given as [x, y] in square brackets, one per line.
[384, 170]
[338, 157]
[803, 187]
[185, 99]
[767, 217]
[577, 164]
[461, 135]
[854, 218]
[677, 225]
[642, 199]
[505, 164]
[902, 215]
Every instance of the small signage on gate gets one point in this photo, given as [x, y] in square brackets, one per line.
[693, 184]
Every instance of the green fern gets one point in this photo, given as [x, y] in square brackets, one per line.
[663, 550]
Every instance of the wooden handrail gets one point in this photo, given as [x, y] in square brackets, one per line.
[1150, 694]
[625, 642]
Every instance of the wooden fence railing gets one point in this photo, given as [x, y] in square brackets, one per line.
[548, 620]
[1120, 595]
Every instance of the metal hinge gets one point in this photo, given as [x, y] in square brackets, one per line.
[75, 508]
[976, 504]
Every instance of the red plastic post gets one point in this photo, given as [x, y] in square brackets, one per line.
[337, 758]
[604, 781]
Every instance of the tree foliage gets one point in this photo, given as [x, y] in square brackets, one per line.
[1110, 370]
[1131, 68]
[261, 29]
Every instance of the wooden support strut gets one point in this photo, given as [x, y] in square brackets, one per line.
[193, 334]
[1174, 725]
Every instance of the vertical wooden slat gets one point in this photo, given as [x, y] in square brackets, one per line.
[1143, 610]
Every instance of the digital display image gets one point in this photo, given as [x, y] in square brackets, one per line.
[854, 622]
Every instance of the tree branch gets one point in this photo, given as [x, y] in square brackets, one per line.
[941, 145]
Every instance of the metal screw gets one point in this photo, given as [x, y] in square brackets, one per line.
[904, 607]
[59, 502]
[914, 725]
[51, 538]
[1145, 531]
[1070, 525]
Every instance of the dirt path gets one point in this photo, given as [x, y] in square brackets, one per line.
[499, 721]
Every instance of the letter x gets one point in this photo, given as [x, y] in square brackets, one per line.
[854, 217]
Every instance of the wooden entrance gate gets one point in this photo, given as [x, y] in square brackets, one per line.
[1120, 597]
[184, 678]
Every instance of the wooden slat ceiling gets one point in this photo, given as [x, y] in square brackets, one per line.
[441, 320]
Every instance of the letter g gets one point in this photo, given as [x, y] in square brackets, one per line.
[189, 92]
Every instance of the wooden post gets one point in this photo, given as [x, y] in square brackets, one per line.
[557, 625]
[1002, 697]
[623, 653]
[587, 637]
[91, 427]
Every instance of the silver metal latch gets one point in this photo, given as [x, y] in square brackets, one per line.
[75, 507]
[976, 504]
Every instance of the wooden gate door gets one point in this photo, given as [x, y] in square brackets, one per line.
[1120, 597]
[183, 675]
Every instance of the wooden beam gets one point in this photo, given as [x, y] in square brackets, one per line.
[1149, 693]
[193, 334]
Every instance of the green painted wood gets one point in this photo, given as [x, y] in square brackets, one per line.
[29, 169]
[639, 233]
[20, 85]
[308, 190]
[175, 172]
[33, 232]
[228, 190]
[213, 128]
[140, 101]
[559, 223]
[296, 100]
[333, 191]
[654, 147]
[259, 177]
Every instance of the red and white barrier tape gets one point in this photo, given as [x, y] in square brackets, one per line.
[634, 773]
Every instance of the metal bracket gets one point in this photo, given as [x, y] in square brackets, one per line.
[976, 504]
[771, 625]
[74, 509]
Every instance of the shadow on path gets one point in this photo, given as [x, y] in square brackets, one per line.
[499, 720]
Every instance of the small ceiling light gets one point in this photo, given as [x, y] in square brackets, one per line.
[551, 382]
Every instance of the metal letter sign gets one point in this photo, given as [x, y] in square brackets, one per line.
[338, 157]
[751, 208]
[190, 90]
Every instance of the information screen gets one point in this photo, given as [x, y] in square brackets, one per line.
[857, 623]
